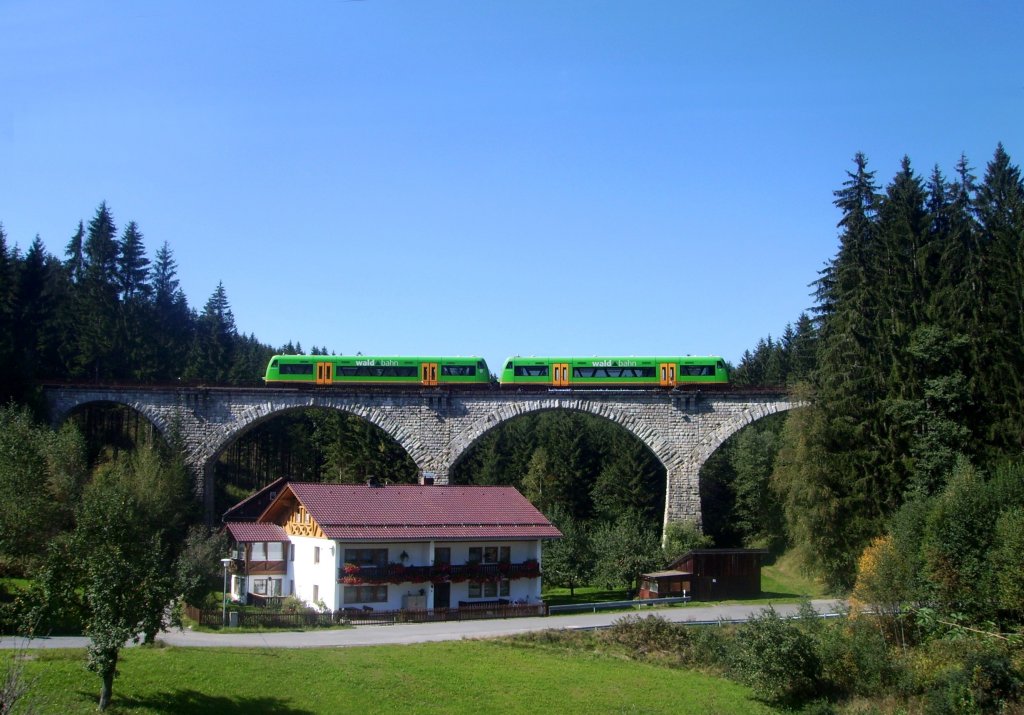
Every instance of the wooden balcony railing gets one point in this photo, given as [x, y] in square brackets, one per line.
[439, 573]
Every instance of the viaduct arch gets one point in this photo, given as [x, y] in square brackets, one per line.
[436, 428]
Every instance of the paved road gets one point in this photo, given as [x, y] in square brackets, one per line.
[406, 633]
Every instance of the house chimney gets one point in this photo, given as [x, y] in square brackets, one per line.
[427, 479]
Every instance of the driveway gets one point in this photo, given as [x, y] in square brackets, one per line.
[405, 633]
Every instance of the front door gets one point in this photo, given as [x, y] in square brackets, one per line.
[428, 371]
[442, 595]
[667, 374]
[323, 373]
[560, 374]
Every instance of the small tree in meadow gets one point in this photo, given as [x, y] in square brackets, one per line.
[624, 550]
[569, 561]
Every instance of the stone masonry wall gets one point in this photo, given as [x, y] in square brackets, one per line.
[437, 428]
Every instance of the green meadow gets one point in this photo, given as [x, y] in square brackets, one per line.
[452, 677]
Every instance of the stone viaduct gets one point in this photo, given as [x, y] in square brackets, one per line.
[437, 427]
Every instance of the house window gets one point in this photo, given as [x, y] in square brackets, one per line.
[291, 552]
[273, 587]
[275, 551]
[316, 555]
[316, 593]
[489, 589]
[490, 554]
[366, 594]
[366, 557]
[443, 555]
[259, 586]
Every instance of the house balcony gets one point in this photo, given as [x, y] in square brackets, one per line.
[439, 573]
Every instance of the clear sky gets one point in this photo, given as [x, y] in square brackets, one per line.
[475, 177]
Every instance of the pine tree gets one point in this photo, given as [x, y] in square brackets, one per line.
[213, 348]
[33, 312]
[96, 303]
[7, 272]
[832, 484]
[172, 328]
[132, 265]
[1001, 215]
[76, 256]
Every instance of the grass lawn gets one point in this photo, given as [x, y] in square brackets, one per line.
[557, 596]
[784, 580]
[453, 677]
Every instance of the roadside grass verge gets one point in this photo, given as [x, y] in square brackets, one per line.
[452, 677]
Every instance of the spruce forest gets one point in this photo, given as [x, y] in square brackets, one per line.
[899, 484]
[909, 358]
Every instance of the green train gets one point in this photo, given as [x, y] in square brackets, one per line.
[620, 372]
[371, 370]
[518, 373]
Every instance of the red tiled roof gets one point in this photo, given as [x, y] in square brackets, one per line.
[249, 531]
[358, 512]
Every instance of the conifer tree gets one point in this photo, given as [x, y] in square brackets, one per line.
[1001, 215]
[75, 253]
[213, 348]
[132, 265]
[7, 272]
[171, 331]
[96, 303]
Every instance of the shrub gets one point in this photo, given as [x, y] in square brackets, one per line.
[778, 659]
[650, 633]
[855, 657]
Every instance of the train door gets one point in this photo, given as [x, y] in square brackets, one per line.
[324, 373]
[428, 371]
[667, 374]
[560, 374]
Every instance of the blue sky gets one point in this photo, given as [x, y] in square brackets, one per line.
[491, 178]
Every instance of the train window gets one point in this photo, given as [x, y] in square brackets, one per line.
[461, 370]
[374, 371]
[613, 372]
[508, 365]
[273, 363]
[531, 371]
[697, 370]
[292, 369]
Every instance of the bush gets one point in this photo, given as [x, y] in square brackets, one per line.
[778, 659]
[650, 633]
[966, 675]
[855, 658]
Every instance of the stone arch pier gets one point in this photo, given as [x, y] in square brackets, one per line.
[437, 427]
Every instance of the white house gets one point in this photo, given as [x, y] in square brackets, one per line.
[392, 547]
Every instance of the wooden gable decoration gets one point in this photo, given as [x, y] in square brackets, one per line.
[288, 512]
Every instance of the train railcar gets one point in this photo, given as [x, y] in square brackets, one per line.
[596, 372]
[326, 370]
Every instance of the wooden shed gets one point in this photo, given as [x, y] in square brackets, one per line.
[708, 575]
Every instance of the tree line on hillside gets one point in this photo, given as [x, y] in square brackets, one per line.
[106, 312]
[919, 359]
[912, 367]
